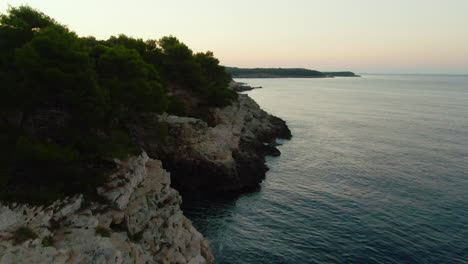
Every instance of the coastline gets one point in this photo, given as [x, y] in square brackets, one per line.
[138, 217]
[286, 73]
[226, 157]
[291, 77]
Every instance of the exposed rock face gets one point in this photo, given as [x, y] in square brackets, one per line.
[139, 221]
[229, 156]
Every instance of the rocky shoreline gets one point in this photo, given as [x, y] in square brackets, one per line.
[242, 87]
[138, 217]
[227, 157]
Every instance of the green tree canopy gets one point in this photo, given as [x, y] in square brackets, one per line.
[66, 100]
[133, 83]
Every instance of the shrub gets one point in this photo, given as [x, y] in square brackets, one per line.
[22, 234]
[26, 149]
[47, 241]
[118, 145]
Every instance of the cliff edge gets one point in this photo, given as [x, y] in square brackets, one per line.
[226, 157]
[138, 217]
[138, 221]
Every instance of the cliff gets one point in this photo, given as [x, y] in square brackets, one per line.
[228, 156]
[138, 221]
[78, 103]
[138, 218]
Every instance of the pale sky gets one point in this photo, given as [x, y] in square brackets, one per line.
[371, 36]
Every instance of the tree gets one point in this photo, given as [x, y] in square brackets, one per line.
[17, 27]
[66, 101]
[132, 83]
[179, 65]
[215, 80]
[130, 43]
[54, 69]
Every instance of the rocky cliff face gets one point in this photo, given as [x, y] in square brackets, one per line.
[229, 156]
[138, 221]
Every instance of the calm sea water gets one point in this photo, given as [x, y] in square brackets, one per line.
[377, 172]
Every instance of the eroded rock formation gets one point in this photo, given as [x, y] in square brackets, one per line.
[138, 221]
[138, 218]
[229, 156]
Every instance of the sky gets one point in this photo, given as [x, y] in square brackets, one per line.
[364, 36]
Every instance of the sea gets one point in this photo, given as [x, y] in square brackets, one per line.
[376, 172]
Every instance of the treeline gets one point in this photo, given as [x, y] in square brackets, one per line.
[65, 100]
[283, 73]
[273, 73]
[341, 74]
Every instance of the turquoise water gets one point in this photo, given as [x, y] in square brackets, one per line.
[376, 172]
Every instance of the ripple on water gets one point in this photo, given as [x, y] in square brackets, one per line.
[377, 172]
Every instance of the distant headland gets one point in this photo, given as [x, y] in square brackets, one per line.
[285, 73]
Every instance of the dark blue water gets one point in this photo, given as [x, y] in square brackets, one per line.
[377, 172]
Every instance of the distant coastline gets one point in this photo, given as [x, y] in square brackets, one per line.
[285, 73]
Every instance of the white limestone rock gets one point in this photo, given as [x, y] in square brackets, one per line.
[227, 155]
[141, 223]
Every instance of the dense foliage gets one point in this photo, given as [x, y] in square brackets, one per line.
[65, 100]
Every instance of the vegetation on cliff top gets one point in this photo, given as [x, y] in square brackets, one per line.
[65, 100]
